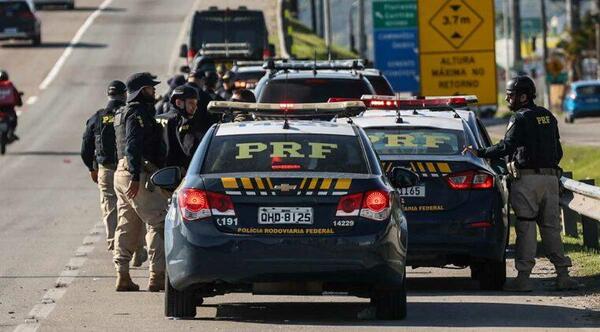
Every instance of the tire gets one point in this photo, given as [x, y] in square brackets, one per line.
[391, 304]
[179, 304]
[492, 275]
[3, 142]
[37, 40]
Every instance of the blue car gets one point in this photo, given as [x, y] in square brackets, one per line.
[582, 100]
[288, 208]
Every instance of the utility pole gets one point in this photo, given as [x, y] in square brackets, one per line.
[362, 40]
[574, 24]
[313, 15]
[319, 11]
[327, 24]
[351, 26]
[516, 33]
[547, 99]
[506, 27]
[597, 26]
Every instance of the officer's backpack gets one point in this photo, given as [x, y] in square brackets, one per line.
[8, 97]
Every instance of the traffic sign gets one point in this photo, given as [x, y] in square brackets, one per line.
[457, 48]
[394, 14]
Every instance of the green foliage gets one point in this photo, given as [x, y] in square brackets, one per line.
[583, 161]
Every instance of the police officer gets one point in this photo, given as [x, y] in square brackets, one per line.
[181, 135]
[532, 144]
[242, 96]
[99, 154]
[140, 152]
[162, 106]
[225, 91]
[210, 84]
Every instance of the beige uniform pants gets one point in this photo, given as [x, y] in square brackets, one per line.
[534, 198]
[108, 203]
[147, 208]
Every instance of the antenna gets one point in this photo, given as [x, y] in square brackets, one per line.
[286, 125]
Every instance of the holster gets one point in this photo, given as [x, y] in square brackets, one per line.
[513, 171]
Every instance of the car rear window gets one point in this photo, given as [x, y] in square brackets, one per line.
[12, 8]
[380, 85]
[588, 90]
[401, 141]
[220, 28]
[285, 153]
[312, 90]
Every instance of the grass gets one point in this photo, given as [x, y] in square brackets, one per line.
[305, 43]
[583, 161]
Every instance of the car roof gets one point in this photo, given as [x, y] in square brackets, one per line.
[585, 82]
[375, 118]
[276, 127]
[324, 74]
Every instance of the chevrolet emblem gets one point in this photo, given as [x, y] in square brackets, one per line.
[284, 187]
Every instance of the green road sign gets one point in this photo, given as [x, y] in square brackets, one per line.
[394, 14]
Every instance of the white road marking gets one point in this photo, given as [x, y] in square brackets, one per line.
[180, 39]
[63, 58]
[31, 100]
[48, 302]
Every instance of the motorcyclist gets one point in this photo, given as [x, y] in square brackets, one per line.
[10, 98]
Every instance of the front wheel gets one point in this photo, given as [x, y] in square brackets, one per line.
[492, 275]
[179, 304]
[37, 40]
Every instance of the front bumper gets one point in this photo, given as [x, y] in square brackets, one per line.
[215, 257]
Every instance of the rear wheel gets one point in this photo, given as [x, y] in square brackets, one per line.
[390, 304]
[3, 142]
[37, 40]
[492, 275]
[179, 304]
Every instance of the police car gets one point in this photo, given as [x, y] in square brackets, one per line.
[458, 213]
[285, 207]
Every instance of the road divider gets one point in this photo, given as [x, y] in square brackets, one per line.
[581, 201]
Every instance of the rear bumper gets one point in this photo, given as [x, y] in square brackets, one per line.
[16, 35]
[216, 257]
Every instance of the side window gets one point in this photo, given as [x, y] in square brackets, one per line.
[484, 134]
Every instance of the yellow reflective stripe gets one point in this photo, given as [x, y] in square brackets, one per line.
[302, 184]
[412, 167]
[247, 183]
[259, 183]
[421, 168]
[326, 184]
[444, 167]
[431, 168]
[343, 184]
[229, 183]
[269, 183]
[389, 168]
[313, 184]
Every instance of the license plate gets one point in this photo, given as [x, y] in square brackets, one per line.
[11, 30]
[285, 215]
[416, 191]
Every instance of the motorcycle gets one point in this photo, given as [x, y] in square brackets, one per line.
[4, 132]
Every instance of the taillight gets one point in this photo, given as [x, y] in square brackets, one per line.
[349, 205]
[376, 205]
[470, 180]
[480, 224]
[191, 54]
[198, 204]
[267, 53]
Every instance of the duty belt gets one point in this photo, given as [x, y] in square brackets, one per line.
[540, 171]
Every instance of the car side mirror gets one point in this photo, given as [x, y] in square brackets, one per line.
[183, 51]
[402, 177]
[167, 178]
[185, 69]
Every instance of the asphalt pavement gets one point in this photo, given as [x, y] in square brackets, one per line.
[55, 271]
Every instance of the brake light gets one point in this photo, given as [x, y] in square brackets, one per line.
[198, 204]
[470, 180]
[286, 167]
[191, 54]
[286, 106]
[376, 205]
[267, 53]
[349, 205]
[480, 224]
[392, 102]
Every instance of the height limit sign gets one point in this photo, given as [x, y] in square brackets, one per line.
[457, 55]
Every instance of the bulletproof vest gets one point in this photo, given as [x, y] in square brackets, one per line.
[120, 134]
[104, 133]
[540, 146]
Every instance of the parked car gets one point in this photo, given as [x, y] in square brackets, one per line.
[582, 100]
[18, 21]
[68, 4]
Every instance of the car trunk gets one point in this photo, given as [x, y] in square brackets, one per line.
[15, 16]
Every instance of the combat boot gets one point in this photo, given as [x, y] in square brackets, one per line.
[521, 283]
[564, 281]
[156, 282]
[125, 284]
[139, 257]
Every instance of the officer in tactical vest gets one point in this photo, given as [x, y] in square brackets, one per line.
[140, 152]
[532, 145]
[182, 136]
[99, 154]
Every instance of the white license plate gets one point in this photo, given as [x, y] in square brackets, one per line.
[285, 215]
[11, 30]
[416, 191]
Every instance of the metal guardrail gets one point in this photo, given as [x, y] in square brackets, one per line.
[581, 202]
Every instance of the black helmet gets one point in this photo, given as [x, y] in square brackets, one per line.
[211, 78]
[116, 88]
[3, 75]
[522, 85]
[244, 95]
[183, 92]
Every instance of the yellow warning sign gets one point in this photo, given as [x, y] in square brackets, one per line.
[457, 48]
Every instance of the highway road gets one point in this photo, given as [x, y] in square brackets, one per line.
[55, 272]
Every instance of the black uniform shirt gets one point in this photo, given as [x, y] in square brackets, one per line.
[531, 139]
[181, 135]
[98, 145]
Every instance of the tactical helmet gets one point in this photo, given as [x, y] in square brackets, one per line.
[116, 88]
[522, 85]
[244, 95]
[3, 75]
[183, 92]
[210, 79]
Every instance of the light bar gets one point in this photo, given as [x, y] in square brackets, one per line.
[290, 110]
[225, 49]
[413, 103]
[349, 64]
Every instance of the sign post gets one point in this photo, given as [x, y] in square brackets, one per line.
[395, 35]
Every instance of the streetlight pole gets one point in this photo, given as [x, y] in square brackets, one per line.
[362, 42]
[351, 26]
[547, 99]
[327, 25]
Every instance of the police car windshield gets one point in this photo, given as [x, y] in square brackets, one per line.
[402, 141]
[312, 90]
[285, 153]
